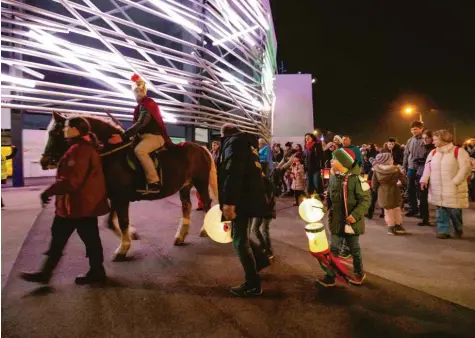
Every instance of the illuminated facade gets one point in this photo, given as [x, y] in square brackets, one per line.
[206, 62]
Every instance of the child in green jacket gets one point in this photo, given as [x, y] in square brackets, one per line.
[348, 200]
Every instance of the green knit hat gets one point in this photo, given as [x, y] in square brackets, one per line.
[345, 156]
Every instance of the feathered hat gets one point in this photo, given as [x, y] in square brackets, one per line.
[138, 83]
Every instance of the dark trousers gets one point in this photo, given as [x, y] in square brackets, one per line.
[353, 243]
[423, 200]
[88, 231]
[298, 194]
[242, 245]
[260, 228]
[412, 191]
[314, 183]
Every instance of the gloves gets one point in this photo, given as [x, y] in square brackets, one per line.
[45, 198]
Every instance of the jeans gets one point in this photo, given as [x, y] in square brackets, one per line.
[241, 242]
[314, 183]
[412, 191]
[353, 241]
[445, 215]
[423, 201]
[88, 231]
[262, 235]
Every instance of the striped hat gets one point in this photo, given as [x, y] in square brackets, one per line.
[345, 156]
[382, 158]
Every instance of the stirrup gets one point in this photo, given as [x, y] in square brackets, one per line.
[147, 191]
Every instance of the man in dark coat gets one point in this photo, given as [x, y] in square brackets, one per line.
[395, 150]
[242, 196]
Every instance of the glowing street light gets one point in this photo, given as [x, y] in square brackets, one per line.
[410, 110]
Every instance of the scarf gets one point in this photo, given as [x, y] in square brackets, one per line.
[309, 145]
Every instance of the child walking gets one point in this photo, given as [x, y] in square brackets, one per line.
[386, 181]
[298, 184]
[348, 200]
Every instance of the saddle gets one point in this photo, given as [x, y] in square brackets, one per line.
[135, 165]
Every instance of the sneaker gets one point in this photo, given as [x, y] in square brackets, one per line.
[358, 278]
[442, 236]
[91, 277]
[326, 281]
[412, 214]
[392, 230]
[246, 290]
[458, 234]
[35, 277]
[399, 229]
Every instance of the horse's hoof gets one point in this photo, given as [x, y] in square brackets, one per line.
[203, 233]
[119, 257]
[178, 241]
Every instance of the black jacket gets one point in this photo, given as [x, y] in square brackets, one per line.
[240, 180]
[396, 152]
[314, 158]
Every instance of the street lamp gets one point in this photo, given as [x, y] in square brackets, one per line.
[410, 110]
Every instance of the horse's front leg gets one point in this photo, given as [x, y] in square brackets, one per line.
[113, 224]
[184, 226]
[122, 211]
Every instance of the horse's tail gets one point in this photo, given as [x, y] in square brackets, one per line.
[213, 178]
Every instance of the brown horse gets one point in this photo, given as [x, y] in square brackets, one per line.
[181, 167]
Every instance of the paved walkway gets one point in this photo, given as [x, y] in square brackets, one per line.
[168, 291]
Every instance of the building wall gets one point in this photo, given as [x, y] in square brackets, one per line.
[293, 110]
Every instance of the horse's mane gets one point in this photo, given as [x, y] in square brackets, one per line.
[106, 120]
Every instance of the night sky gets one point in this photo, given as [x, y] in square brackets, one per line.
[372, 57]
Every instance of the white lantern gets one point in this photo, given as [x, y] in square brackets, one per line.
[217, 230]
[317, 238]
[311, 210]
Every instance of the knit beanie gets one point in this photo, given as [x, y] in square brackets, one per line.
[345, 156]
[382, 158]
[338, 137]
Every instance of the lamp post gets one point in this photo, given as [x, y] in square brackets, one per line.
[410, 110]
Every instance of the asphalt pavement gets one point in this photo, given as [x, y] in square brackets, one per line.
[416, 286]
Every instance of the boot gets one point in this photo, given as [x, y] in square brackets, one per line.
[94, 275]
[43, 276]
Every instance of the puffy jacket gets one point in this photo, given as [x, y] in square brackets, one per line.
[314, 158]
[4, 162]
[80, 187]
[384, 181]
[414, 149]
[240, 180]
[447, 177]
[358, 202]
[299, 177]
[396, 152]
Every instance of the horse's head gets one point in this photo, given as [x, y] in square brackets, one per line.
[56, 145]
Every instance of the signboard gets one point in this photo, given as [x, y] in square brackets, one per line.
[201, 135]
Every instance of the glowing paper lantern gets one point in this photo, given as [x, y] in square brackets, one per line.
[317, 238]
[217, 230]
[311, 210]
[326, 173]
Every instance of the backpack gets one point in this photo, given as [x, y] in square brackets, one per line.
[456, 152]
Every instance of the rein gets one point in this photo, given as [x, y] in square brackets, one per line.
[116, 149]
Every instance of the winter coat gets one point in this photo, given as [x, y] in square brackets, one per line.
[396, 152]
[4, 162]
[299, 177]
[447, 177]
[314, 158]
[414, 149]
[270, 211]
[265, 156]
[384, 181]
[277, 157]
[80, 186]
[240, 180]
[358, 202]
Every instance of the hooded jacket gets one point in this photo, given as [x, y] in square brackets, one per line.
[414, 150]
[384, 181]
[447, 177]
[240, 180]
[358, 202]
